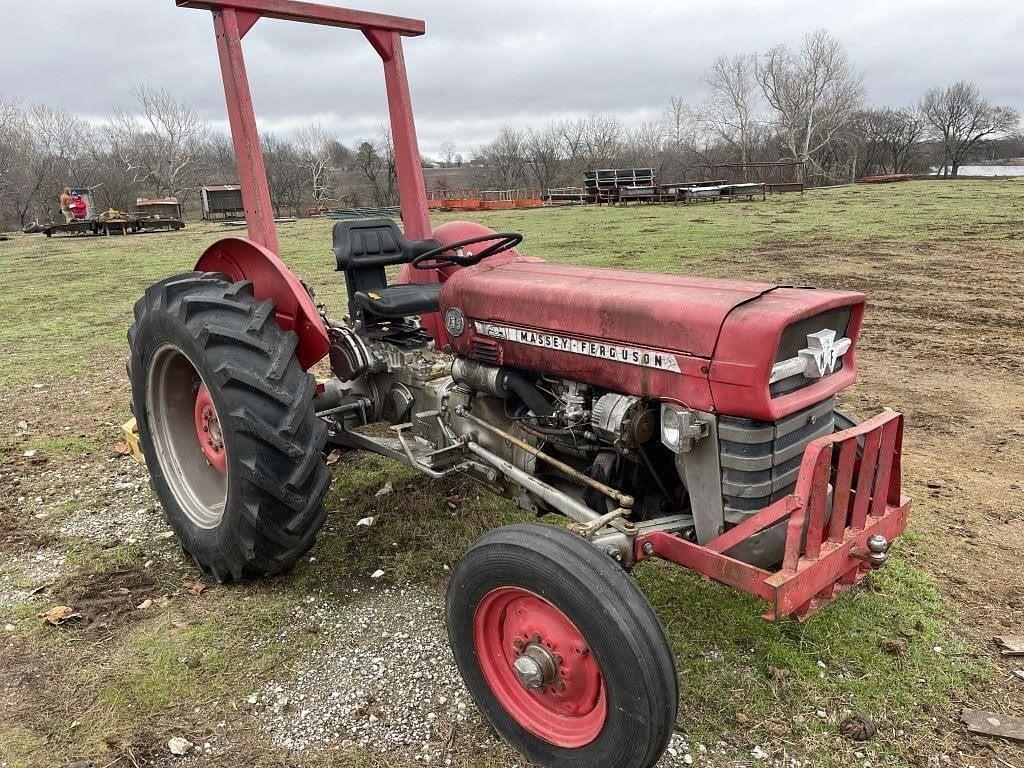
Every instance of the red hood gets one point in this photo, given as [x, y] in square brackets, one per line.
[635, 308]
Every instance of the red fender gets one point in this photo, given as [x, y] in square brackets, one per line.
[242, 259]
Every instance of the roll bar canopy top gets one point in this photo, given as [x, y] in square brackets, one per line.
[232, 19]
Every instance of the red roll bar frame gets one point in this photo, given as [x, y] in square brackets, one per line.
[232, 19]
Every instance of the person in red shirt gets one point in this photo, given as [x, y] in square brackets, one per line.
[79, 209]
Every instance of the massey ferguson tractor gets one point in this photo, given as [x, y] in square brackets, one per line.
[640, 415]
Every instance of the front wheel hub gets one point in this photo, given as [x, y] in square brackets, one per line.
[538, 665]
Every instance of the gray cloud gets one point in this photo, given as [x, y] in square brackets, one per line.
[482, 64]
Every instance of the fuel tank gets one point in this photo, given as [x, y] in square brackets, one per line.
[712, 345]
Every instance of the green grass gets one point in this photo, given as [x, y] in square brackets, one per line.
[67, 301]
[67, 304]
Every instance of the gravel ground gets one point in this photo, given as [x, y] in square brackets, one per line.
[384, 679]
[115, 507]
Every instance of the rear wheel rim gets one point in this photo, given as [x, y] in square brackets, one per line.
[179, 406]
[539, 667]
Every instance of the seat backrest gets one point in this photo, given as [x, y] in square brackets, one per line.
[368, 243]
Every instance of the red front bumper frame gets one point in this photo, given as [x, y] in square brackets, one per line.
[866, 500]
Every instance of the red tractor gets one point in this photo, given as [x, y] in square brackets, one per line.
[682, 418]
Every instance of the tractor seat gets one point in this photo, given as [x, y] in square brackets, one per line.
[370, 244]
[397, 301]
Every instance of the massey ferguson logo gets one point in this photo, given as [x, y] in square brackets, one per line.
[823, 352]
[819, 358]
[648, 358]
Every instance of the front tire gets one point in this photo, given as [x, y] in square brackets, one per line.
[226, 423]
[561, 651]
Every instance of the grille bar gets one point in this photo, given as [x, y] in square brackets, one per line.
[760, 460]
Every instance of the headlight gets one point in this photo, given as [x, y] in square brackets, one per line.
[681, 428]
[671, 427]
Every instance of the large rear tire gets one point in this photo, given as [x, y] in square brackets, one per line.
[561, 651]
[227, 425]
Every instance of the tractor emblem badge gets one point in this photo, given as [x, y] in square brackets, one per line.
[822, 353]
[818, 359]
[455, 321]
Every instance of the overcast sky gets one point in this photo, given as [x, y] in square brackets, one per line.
[484, 63]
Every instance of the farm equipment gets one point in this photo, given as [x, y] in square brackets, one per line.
[654, 416]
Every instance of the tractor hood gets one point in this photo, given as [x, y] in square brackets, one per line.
[613, 305]
[714, 345]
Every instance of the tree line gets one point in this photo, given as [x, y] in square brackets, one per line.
[161, 147]
[805, 103]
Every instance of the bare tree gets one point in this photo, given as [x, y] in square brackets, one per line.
[959, 117]
[374, 163]
[11, 143]
[50, 150]
[642, 147]
[448, 151]
[546, 160]
[286, 176]
[314, 148]
[891, 138]
[687, 142]
[602, 140]
[731, 111]
[814, 92]
[502, 161]
[161, 144]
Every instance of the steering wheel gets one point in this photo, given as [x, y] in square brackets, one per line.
[503, 242]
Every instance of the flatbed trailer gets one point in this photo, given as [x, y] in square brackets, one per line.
[76, 227]
[123, 225]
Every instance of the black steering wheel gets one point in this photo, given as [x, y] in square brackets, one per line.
[503, 241]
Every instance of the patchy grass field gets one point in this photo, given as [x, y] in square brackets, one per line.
[156, 654]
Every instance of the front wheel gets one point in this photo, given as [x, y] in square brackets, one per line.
[561, 651]
[226, 422]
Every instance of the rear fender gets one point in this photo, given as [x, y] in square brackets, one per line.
[242, 259]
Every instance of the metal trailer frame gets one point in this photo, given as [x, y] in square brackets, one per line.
[776, 177]
[846, 506]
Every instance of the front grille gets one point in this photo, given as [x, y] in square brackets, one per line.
[794, 338]
[486, 351]
[760, 459]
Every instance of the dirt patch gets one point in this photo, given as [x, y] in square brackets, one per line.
[109, 600]
[17, 534]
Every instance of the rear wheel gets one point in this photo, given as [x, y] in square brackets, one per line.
[227, 426]
[561, 651]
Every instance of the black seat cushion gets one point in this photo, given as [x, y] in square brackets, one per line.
[395, 301]
[370, 243]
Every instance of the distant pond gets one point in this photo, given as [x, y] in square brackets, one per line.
[990, 170]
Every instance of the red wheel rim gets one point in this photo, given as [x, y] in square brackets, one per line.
[208, 430]
[569, 708]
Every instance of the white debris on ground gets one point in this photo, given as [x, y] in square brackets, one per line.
[384, 680]
[22, 574]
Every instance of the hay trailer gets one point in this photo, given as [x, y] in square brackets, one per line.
[647, 416]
